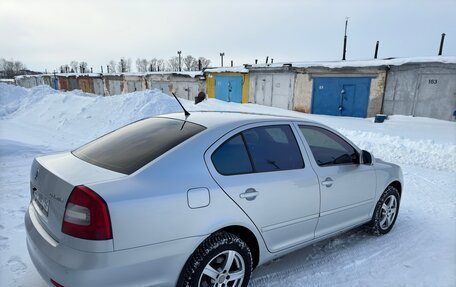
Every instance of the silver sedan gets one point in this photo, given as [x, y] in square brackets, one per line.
[200, 199]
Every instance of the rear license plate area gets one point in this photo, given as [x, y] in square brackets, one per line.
[40, 202]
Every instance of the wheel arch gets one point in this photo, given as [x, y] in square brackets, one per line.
[248, 237]
[397, 184]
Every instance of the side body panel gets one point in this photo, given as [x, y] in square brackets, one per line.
[286, 209]
[156, 198]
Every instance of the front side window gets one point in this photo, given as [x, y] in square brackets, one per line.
[327, 147]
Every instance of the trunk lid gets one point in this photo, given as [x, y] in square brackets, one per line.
[52, 179]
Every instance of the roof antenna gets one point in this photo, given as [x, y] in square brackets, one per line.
[185, 111]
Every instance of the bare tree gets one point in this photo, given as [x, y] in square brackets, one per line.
[8, 66]
[124, 65]
[11, 68]
[173, 64]
[2, 64]
[204, 62]
[161, 65]
[74, 66]
[189, 63]
[65, 69]
[112, 66]
[18, 66]
[83, 67]
[153, 65]
[142, 65]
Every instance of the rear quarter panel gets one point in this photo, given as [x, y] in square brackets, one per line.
[151, 205]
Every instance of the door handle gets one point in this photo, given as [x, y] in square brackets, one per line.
[249, 194]
[328, 182]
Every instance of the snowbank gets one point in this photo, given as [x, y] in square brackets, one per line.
[65, 120]
[237, 69]
[363, 63]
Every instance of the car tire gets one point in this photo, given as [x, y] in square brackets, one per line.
[385, 212]
[207, 266]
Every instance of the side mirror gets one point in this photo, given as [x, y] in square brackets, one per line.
[367, 157]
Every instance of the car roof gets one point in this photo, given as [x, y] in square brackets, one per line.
[215, 119]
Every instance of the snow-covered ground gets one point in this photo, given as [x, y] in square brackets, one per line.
[420, 250]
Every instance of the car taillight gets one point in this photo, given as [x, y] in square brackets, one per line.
[86, 215]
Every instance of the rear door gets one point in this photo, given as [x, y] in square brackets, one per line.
[264, 169]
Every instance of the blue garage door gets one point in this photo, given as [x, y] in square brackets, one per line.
[341, 96]
[228, 88]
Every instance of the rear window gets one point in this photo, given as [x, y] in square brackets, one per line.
[129, 148]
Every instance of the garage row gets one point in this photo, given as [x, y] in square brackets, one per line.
[424, 87]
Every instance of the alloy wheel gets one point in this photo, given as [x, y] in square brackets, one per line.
[227, 269]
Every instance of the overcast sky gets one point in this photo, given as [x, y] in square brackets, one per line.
[47, 33]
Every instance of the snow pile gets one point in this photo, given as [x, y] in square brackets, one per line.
[420, 250]
[423, 153]
[10, 98]
[65, 120]
[238, 69]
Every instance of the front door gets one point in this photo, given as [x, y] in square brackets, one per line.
[262, 169]
[347, 187]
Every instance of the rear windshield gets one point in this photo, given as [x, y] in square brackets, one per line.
[129, 148]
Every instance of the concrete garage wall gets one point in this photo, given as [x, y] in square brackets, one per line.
[98, 86]
[26, 82]
[303, 90]
[424, 90]
[272, 88]
[114, 85]
[185, 86]
[302, 101]
[85, 84]
[72, 83]
[30, 81]
[134, 83]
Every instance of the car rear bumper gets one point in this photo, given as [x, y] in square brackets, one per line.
[152, 265]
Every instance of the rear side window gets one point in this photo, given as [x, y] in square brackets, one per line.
[273, 148]
[327, 147]
[129, 148]
[232, 157]
[262, 149]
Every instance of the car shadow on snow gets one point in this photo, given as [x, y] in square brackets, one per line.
[319, 259]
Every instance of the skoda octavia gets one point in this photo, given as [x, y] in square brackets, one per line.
[200, 200]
